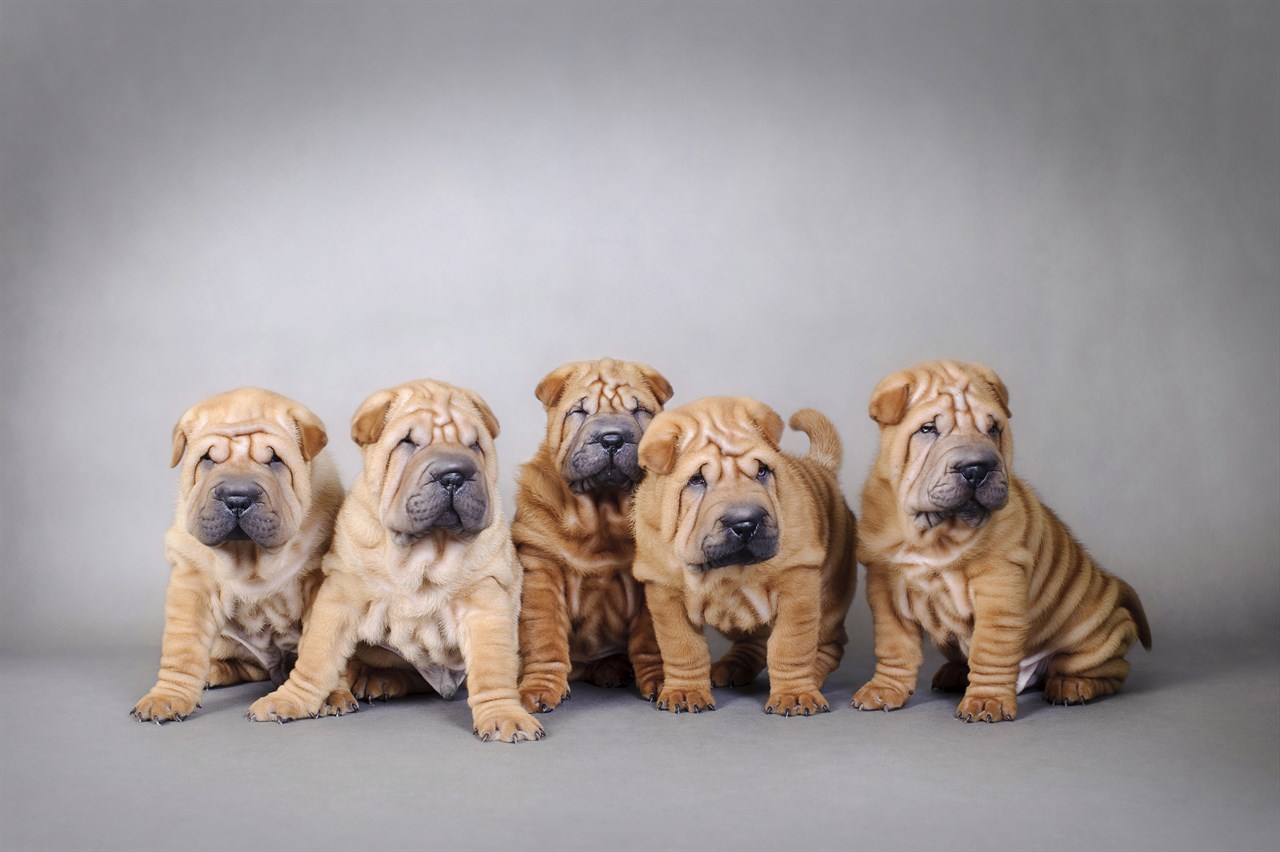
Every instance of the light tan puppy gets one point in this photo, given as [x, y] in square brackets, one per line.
[735, 533]
[583, 615]
[422, 573]
[957, 546]
[256, 507]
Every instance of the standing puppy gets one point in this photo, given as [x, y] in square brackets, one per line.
[958, 546]
[422, 572]
[583, 616]
[732, 532]
[256, 507]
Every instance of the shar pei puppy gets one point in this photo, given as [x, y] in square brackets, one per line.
[958, 547]
[422, 587]
[256, 507]
[733, 532]
[583, 615]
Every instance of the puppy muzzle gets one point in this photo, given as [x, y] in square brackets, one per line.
[744, 535]
[604, 455]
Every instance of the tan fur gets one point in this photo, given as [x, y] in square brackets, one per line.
[234, 610]
[1010, 602]
[583, 615]
[787, 611]
[433, 609]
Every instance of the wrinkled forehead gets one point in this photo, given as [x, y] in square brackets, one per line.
[957, 393]
[433, 418]
[253, 426]
[608, 386]
[721, 432]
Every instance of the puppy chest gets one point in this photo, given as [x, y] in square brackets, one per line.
[274, 621]
[420, 631]
[601, 608]
[737, 609]
[939, 601]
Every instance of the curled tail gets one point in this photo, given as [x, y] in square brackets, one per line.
[1129, 600]
[824, 440]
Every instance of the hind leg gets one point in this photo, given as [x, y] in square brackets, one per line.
[611, 671]
[743, 661]
[231, 672]
[953, 675]
[1095, 668]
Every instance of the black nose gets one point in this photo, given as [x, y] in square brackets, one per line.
[238, 503]
[452, 480]
[612, 441]
[744, 522]
[975, 471]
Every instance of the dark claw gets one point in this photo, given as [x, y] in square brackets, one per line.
[768, 709]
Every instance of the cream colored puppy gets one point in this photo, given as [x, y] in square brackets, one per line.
[256, 506]
[422, 576]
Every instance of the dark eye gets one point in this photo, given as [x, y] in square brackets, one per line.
[929, 428]
[640, 409]
[205, 458]
[406, 441]
[476, 447]
[763, 473]
[994, 431]
[698, 480]
[275, 459]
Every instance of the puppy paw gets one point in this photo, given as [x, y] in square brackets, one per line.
[649, 684]
[543, 697]
[339, 703]
[1071, 690]
[799, 702]
[612, 671]
[984, 708]
[880, 696]
[506, 724]
[688, 700]
[733, 673]
[374, 683]
[284, 705]
[951, 677]
[161, 707]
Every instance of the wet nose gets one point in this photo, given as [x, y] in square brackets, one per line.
[744, 523]
[238, 502]
[452, 475]
[612, 441]
[975, 471]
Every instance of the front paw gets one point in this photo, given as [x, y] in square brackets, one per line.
[161, 707]
[693, 699]
[339, 703]
[374, 683]
[880, 696]
[542, 696]
[987, 708]
[285, 705]
[649, 682]
[507, 723]
[800, 702]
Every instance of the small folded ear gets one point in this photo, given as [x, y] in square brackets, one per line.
[371, 418]
[486, 414]
[179, 442]
[889, 399]
[657, 383]
[996, 386]
[552, 384]
[768, 421]
[312, 437]
[659, 446]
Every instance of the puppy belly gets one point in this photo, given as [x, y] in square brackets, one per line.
[600, 613]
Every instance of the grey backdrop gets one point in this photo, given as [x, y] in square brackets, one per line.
[781, 200]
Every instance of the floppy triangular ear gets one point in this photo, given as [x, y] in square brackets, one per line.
[179, 441]
[996, 386]
[552, 384]
[312, 437]
[371, 418]
[658, 447]
[657, 383]
[768, 421]
[889, 399]
[486, 414]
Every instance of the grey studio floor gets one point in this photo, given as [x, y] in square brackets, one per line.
[1185, 757]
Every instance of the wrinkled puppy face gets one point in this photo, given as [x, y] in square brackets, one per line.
[597, 412]
[430, 458]
[717, 459]
[946, 428]
[247, 476]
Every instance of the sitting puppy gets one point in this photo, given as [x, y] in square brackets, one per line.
[733, 532]
[256, 507]
[958, 546]
[583, 615]
[422, 572]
